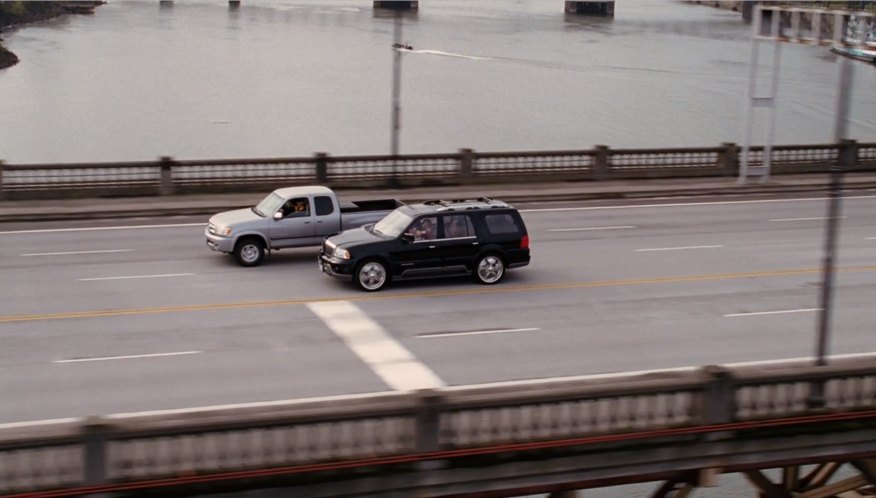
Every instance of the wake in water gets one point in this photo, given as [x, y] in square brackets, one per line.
[447, 54]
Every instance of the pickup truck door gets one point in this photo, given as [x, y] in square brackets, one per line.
[328, 216]
[293, 225]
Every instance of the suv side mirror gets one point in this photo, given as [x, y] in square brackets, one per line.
[278, 215]
[407, 237]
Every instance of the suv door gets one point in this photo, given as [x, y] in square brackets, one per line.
[296, 223]
[421, 256]
[460, 243]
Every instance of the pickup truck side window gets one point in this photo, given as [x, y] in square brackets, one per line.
[296, 207]
[323, 205]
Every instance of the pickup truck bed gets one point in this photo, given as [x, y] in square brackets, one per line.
[376, 205]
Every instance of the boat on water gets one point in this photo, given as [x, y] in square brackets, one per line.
[861, 54]
[402, 46]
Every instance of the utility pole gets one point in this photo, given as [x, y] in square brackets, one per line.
[396, 84]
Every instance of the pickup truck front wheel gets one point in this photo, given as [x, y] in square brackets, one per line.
[249, 251]
[371, 275]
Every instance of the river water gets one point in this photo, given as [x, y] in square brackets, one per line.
[136, 81]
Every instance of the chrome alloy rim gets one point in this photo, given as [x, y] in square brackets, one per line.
[490, 269]
[372, 276]
[249, 253]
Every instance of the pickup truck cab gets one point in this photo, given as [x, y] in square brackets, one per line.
[289, 217]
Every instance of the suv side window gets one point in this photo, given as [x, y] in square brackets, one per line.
[499, 224]
[324, 205]
[457, 226]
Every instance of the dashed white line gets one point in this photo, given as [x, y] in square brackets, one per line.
[92, 229]
[676, 248]
[475, 332]
[136, 276]
[128, 357]
[807, 219]
[391, 361]
[620, 227]
[105, 251]
[870, 238]
[779, 312]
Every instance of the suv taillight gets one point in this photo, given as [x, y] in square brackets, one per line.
[524, 242]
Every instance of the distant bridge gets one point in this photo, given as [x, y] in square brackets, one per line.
[598, 7]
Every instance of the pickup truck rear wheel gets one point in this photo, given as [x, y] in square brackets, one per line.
[371, 275]
[489, 269]
[249, 251]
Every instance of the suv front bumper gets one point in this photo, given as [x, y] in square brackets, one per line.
[333, 267]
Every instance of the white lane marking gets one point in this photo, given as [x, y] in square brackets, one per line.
[684, 204]
[475, 332]
[620, 227]
[387, 357]
[676, 248]
[136, 276]
[128, 357]
[870, 238]
[807, 219]
[392, 394]
[93, 229]
[76, 252]
[779, 312]
[636, 373]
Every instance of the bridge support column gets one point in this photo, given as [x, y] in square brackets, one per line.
[466, 161]
[603, 8]
[397, 4]
[233, 4]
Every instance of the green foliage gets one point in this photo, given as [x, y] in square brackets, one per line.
[12, 9]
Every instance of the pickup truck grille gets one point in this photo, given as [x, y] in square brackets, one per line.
[328, 247]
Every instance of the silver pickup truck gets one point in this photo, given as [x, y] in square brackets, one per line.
[289, 217]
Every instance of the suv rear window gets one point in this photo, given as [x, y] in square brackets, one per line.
[499, 224]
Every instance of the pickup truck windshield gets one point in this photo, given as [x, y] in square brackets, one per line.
[269, 205]
[393, 224]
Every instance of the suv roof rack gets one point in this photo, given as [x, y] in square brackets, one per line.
[462, 204]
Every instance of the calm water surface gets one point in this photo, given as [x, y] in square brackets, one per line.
[290, 78]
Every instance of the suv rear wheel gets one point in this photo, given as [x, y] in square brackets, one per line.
[489, 269]
[371, 275]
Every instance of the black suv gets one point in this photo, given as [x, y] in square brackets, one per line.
[480, 237]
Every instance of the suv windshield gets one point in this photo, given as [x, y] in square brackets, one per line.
[269, 205]
[393, 224]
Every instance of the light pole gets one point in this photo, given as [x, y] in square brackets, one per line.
[396, 95]
[396, 84]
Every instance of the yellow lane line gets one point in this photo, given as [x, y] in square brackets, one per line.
[446, 293]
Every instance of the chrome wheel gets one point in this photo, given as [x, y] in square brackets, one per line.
[371, 276]
[249, 252]
[490, 269]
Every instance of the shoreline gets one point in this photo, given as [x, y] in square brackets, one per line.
[14, 15]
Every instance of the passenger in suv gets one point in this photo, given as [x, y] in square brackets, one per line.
[480, 237]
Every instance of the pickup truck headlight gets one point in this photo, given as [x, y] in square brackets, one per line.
[341, 253]
[222, 231]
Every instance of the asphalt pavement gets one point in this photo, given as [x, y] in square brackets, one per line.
[542, 192]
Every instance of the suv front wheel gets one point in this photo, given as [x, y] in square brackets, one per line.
[371, 275]
[489, 269]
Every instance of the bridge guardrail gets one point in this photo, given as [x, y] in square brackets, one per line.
[168, 176]
[308, 435]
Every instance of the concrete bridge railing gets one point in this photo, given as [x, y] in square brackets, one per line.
[465, 438]
[168, 176]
